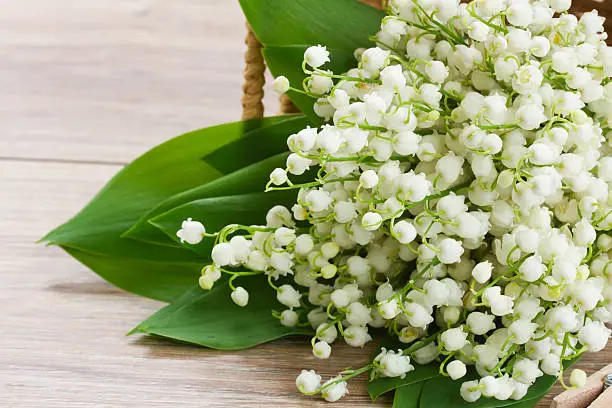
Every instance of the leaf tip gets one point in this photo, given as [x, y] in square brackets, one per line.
[137, 329]
[48, 238]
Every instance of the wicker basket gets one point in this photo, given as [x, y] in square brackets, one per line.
[255, 68]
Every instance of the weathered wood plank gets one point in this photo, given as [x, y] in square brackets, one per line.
[105, 81]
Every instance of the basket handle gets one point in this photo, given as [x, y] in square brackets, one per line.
[254, 78]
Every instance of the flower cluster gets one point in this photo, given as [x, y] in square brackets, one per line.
[461, 198]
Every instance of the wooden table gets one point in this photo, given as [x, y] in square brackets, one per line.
[85, 86]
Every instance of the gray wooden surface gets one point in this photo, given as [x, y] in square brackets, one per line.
[85, 86]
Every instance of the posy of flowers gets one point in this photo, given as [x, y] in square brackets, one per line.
[449, 191]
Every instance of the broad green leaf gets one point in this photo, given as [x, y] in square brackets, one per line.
[233, 157]
[282, 60]
[249, 179]
[287, 28]
[443, 392]
[256, 146]
[211, 319]
[526, 403]
[421, 373]
[163, 281]
[217, 212]
[408, 396]
[164, 171]
[312, 22]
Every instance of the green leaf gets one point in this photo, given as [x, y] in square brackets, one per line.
[421, 373]
[233, 159]
[164, 171]
[526, 403]
[443, 392]
[287, 28]
[312, 22]
[256, 146]
[249, 179]
[163, 281]
[282, 60]
[211, 319]
[217, 212]
[408, 396]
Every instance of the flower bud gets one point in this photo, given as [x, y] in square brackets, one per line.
[240, 296]
[206, 282]
[482, 271]
[289, 318]
[456, 369]
[371, 221]
[321, 349]
[578, 378]
[404, 232]
[280, 85]
[327, 332]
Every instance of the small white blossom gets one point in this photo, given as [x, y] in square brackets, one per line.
[482, 271]
[316, 56]
[454, 339]
[356, 336]
[191, 232]
[470, 391]
[288, 296]
[450, 251]
[371, 221]
[404, 231]
[373, 59]
[334, 392]
[393, 364]
[278, 176]
[289, 318]
[522, 331]
[327, 332]
[594, 335]
[456, 369]
[418, 316]
[389, 308]
[480, 323]
[526, 371]
[308, 381]
[222, 254]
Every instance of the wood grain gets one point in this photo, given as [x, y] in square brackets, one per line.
[133, 72]
[88, 85]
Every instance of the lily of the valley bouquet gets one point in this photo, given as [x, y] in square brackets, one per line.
[446, 192]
